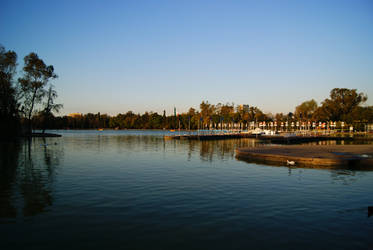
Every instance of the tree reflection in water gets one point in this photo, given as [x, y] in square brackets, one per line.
[223, 149]
[346, 176]
[9, 153]
[27, 173]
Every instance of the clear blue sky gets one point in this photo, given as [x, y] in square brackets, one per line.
[115, 56]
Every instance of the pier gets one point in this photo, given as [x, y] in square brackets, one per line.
[277, 139]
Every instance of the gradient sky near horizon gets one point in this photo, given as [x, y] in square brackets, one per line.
[115, 56]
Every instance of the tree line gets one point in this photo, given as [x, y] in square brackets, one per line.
[342, 105]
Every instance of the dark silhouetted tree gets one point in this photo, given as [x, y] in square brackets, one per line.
[9, 119]
[33, 83]
[50, 106]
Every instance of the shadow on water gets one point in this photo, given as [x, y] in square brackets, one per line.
[370, 211]
[9, 154]
[27, 173]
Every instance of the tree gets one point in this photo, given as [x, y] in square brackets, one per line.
[255, 114]
[9, 119]
[341, 105]
[36, 77]
[191, 112]
[306, 109]
[50, 106]
[227, 111]
[207, 110]
[363, 114]
[280, 117]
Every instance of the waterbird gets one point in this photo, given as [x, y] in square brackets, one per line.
[365, 156]
[290, 162]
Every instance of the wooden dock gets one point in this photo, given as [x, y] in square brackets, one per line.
[311, 155]
[204, 136]
[276, 139]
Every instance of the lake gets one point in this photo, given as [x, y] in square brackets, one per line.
[135, 190]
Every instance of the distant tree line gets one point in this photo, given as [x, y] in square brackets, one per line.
[343, 105]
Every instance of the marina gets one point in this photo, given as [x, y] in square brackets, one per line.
[285, 138]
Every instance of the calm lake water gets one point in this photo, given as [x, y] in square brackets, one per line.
[135, 190]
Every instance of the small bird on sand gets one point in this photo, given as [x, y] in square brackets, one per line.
[292, 163]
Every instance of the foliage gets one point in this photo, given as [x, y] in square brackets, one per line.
[210, 117]
[50, 106]
[306, 110]
[9, 119]
[342, 105]
[33, 84]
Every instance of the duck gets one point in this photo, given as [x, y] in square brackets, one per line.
[292, 163]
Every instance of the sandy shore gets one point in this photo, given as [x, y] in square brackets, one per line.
[312, 155]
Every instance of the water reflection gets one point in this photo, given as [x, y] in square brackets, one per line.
[222, 149]
[28, 171]
[346, 176]
[9, 154]
[205, 150]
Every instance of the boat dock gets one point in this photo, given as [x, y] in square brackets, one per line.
[205, 136]
[281, 139]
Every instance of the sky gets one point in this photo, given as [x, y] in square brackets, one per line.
[116, 56]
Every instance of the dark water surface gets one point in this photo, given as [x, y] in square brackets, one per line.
[135, 190]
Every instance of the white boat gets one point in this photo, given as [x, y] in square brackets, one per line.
[257, 131]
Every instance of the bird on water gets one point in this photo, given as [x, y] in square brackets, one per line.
[292, 163]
